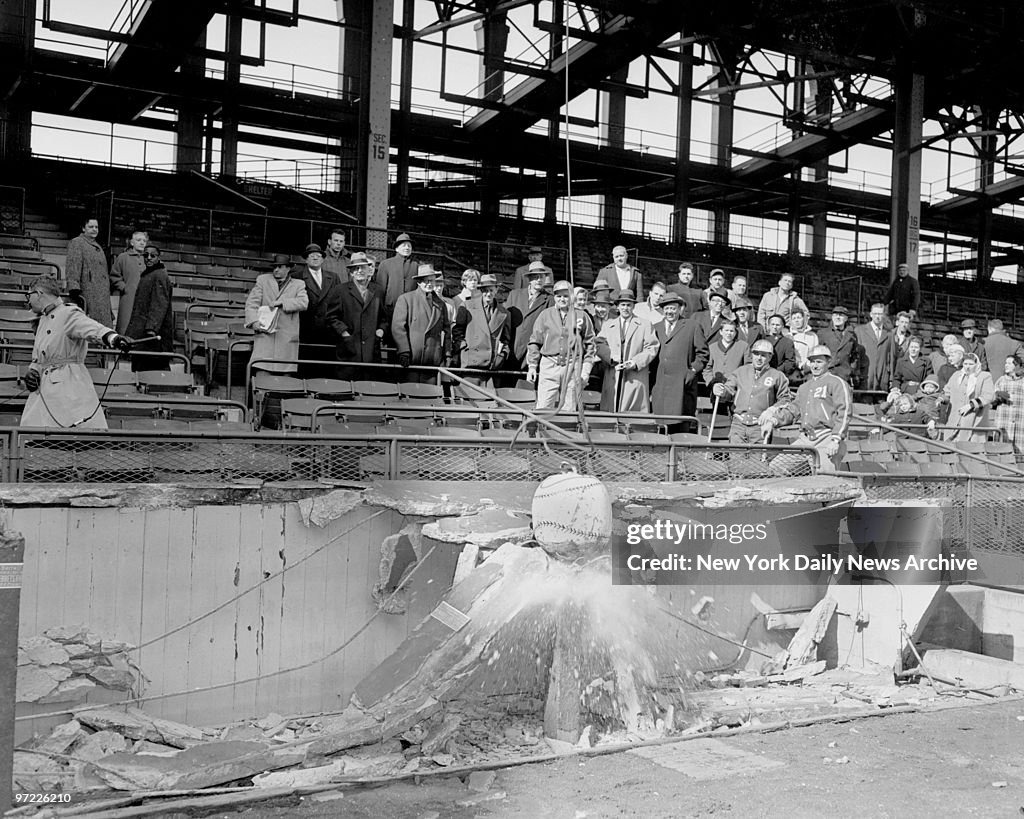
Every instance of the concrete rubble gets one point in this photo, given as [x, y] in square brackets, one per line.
[66, 663]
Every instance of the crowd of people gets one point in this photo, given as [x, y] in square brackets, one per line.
[651, 348]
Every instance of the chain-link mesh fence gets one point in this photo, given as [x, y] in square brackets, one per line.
[986, 514]
[114, 457]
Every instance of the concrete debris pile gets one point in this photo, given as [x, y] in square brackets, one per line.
[66, 663]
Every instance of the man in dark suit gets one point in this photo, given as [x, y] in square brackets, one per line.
[420, 326]
[682, 356]
[483, 332]
[620, 274]
[320, 326]
[784, 359]
[874, 350]
[711, 319]
[525, 306]
[397, 274]
[747, 330]
[363, 316]
[840, 339]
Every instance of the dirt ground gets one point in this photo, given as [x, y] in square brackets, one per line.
[958, 761]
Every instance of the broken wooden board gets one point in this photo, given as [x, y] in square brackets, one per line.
[803, 648]
[135, 724]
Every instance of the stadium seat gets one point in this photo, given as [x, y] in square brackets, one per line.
[375, 391]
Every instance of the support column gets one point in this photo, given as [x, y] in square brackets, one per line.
[556, 154]
[354, 14]
[405, 105]
[614, 133]
[232, 77]
[491, 41]
[905, 213]
[984, 176]
[795, 206]
[188, 132]
[375, 121]
[722, 121]
[819, 227]
[684, 115]
[17, 36]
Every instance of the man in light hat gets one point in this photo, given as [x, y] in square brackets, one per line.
[840, 339]
[420, 327]
[562, 340]
[620, 274]
[682, 357]
[822, 406]
[524, 307]
[535, 254]
[363, 316]
[626, 346]
[320, 324]
[273, 311]
[753, 388]
[482, 334]
[971, 343]
[397, 274]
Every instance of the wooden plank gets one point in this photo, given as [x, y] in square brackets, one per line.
[78, 565]
[803, 648]
[131, 530]
[211, 643]
[155, 597]
[271, 603]
[41, 578]
[247, 610]
[178, 605]
[973, 670]
[334, 696]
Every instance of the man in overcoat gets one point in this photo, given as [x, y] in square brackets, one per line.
[682, 356]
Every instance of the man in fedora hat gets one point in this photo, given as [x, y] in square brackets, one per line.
[562, 338]
[711, 319]
[272, 311]
[626, 346]
[320, 324]
[525, 306]
[420, 326]
[397, 274]
[971, 343]
[535, 255]
[600, 305]
[747, 330]
[682, 356]
[483, 332]
[362, 314]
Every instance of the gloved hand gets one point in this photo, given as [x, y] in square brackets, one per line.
[117, 342]
[77, 298]
[718, 389]
[32, 379]
[404, 359]
[1002, 397]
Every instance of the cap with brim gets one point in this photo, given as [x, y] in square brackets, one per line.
[967, 324]
[600, 297]
[402, 237]
[714, 294]
[717, 272]
[281, 259]
[670, 298]
[840, 310]
[537, 267]
[625, 295]
[762, 346]
[601, 284]
[488, 280]
[425, 271]
[562, 287]
[819, 351]
[359, 260]
[314, 248]
[743, 304]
